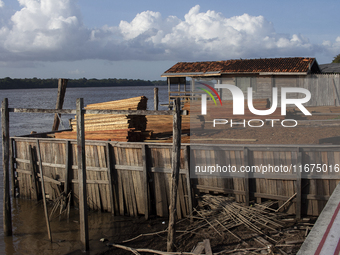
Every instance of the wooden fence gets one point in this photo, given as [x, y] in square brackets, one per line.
[134, 178]
[124, 178]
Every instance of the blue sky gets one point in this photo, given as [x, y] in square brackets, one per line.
[142, 39]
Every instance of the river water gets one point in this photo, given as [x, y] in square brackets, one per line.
[29, 229]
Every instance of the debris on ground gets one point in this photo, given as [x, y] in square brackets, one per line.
[230, 228]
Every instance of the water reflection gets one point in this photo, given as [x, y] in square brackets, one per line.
[30, 232]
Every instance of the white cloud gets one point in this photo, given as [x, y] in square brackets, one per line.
[2, 4]
[52, 30]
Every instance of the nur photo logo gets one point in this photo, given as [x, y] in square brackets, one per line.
[238, 104]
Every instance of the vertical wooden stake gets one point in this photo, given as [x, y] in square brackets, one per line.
[7, 214]
[169, 89]
[176, 156]
[145, 181]
[12, 161]
[155, 99]
[68, 171]
[246, 176]
[84, 231]
[187, 169]
[33, 173]
[62, 84]
[68, 167]
[298, 185]
[109, 175]
[43, 192]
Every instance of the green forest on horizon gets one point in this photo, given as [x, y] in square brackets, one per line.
[34, 83]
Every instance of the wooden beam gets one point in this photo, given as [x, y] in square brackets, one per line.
[83, 217]
[62, 84]
[7, 215]
[37, 110]
[71, 111]
[176, 156]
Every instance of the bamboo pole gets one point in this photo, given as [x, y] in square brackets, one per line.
[43, 192]
[62, 84]
[83, 219]
[7, 220]
[176, 157]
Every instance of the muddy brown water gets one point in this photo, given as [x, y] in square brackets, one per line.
[30, 232]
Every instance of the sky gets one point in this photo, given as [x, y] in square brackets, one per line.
[142, 39]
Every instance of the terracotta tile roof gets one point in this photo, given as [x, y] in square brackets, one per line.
[265, 65]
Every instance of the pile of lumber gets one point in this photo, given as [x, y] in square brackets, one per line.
[162, 125]
[114, 127]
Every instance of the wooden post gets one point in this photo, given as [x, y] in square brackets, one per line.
[176, 156]
[169, 89]
[84, 231]
[155, 99]
[62, 84]
[187, 170]
[33, 173]
[298, 188]
[12, 161]
[145, 181]
[7, 214]
[246, 176]
[43, 192]
[109, 175]
[68, 167]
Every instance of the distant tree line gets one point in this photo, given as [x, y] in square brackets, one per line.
[30, 83]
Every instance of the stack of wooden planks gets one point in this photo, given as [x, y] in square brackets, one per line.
[114, 127]
[162, 125]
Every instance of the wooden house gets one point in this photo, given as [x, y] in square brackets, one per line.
[260, 74]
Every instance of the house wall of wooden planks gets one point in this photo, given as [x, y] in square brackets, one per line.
[324, 88]
[134, 178]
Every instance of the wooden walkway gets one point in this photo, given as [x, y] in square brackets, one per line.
[324, 239]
